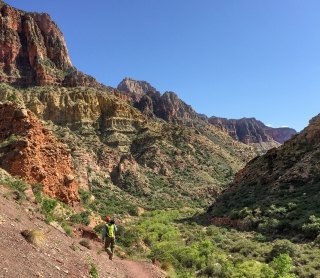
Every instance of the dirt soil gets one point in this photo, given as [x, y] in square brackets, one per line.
[60, 255]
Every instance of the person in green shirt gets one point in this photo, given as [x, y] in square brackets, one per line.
[109, 236]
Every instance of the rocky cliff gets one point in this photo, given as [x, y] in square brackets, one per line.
[287, 177]
[250, 130]
[136, 88]
[29, 150]
[33, 51]
[167, 106]
[253, 132]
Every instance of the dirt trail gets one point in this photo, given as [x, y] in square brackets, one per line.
[60, 255]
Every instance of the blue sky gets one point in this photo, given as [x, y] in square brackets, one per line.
[228, 58]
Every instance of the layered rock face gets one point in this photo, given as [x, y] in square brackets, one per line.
[280, 134]
[283, 176]
[167, 106]
[30, 151]
[250, 130]
[33, 51]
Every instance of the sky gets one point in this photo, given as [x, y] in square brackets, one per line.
[226, 58]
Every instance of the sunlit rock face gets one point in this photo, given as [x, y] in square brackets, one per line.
[33, 51]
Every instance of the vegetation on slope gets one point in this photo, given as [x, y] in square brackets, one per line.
[277, 193]
[180, 245]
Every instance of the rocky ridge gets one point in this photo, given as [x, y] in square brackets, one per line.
[253, 132]
[167, 106]
[171, 108]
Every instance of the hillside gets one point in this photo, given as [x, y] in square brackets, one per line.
[279, 191]
[54, 253]
[112, 143]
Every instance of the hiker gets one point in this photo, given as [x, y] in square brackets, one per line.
[108, 235]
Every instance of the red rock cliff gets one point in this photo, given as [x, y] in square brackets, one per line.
[29, 150]
[33, 51]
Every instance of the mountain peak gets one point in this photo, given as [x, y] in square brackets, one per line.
[136, 87]
[34, 52]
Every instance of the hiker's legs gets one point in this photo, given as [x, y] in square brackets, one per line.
[112, 244]
[109, 246]
[107, 243]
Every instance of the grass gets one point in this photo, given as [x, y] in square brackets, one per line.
[16, 184]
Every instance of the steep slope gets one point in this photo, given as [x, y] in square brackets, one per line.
[59, 255]
[30, 151]
[33, 51]
[281, 186]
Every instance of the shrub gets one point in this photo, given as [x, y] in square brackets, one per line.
[282, 266]
[93, 271]
[35, 237]
[85, 243]
[312, 229]
[85, 197]
[81, 218]
[47, 207]
[67, 228]
[282, 247]
[17, 184]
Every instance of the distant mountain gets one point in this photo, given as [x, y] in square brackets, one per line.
[281, 186]
[171, 108]
[253, 132]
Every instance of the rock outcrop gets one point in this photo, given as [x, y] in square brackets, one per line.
[136, 88]
[33, 51]
[30, 151]
[167, 106]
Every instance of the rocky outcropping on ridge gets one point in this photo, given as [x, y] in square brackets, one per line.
[30, 151]
[167, 106]
[250, 130]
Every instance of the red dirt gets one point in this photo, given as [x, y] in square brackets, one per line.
[60, 255]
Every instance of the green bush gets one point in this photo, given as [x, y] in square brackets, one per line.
[93, 271]
[282, 266]
[312, 229]
[81, 218]
[282, 247]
